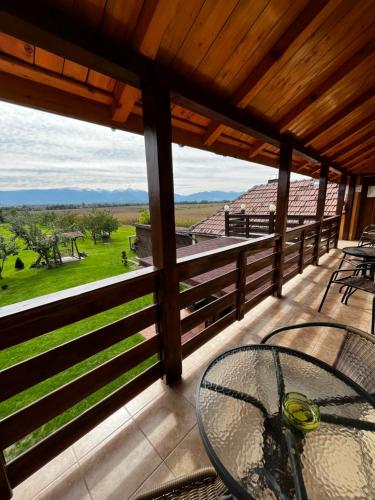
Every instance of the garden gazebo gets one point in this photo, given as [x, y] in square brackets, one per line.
[284, 84]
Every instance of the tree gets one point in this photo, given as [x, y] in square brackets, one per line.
[8, 247]
[144, 217]
[69, 221]
[100, 223]
[45, 245]
[124, 258]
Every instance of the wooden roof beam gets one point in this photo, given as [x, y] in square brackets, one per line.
[369, 153]
[258, 148]
[300, 28]
[342, 113]
[360, 56]
[157, 18]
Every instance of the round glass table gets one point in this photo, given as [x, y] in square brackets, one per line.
[365, 253]
[257, 454]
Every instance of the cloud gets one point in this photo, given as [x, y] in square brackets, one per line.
[42, 150]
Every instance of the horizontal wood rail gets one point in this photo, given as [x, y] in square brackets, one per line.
[23, 375]
[30, 461]
[25, 320]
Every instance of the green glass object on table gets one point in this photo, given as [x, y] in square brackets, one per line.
[300, 412]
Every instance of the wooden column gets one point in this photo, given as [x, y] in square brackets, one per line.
[5, 489]
[323, 181]
[282, 211]
[340, 204]
[226, 215]
[158, 142]
[349, 206]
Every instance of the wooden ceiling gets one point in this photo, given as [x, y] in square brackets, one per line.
[307, 68]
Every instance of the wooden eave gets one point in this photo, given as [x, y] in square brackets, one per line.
[243, 79]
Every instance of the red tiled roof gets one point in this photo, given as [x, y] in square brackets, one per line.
[302, 201]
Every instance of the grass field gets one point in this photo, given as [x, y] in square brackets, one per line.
[186, 214]
[104, 260]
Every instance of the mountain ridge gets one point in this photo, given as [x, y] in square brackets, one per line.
[67, 196]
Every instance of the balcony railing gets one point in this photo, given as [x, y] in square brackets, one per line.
[242, 275]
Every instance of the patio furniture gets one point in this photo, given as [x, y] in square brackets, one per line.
[257, 455]
[367, 236]
[362, 254]
[358, 279]
[203, 484]
[356, 352]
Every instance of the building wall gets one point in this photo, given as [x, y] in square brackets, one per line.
[143, 245]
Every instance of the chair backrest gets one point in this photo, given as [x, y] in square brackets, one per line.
[355, 355]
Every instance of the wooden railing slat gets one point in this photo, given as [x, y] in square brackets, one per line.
[208, 311]
[206, 289]
[257, 282]
[33, 459]
[25, 320]
[23, 375]
[34, 415]
[262, 263]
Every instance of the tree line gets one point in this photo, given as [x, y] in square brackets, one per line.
[43, 232]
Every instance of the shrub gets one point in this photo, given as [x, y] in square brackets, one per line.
[19, 264]
[124, 258]
[144, 217]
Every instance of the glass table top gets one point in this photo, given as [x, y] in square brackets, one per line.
[365, 252]
[258, 455]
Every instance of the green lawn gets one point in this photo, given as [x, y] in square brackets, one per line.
[103, 260]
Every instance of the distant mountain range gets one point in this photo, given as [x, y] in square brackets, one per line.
[88, 196]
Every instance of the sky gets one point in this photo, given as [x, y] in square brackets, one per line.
[41, 150]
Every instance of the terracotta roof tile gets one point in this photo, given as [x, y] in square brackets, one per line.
[302, 201]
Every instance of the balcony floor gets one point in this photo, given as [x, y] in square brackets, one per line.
[154, 437]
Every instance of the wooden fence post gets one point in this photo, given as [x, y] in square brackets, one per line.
[301, 261]
[5, 489]
[340, 205]
[282, 211]
[349, 206]
[323, 181]
[226, 215]
[241, 284]
[158, 143]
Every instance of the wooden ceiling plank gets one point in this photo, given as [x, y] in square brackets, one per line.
[343, 112]
[360, 56]
[295, 35]
[155, 18]
[49, 78]
[120, 19]
[363, 152]
[349, 133]
[355, 146]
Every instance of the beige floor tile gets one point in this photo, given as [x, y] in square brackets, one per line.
[166, 421]
[45, 476]
[100, 432]
[140, 401]
[189, 455]
[118, 466]
[70, 486]
[162, 475]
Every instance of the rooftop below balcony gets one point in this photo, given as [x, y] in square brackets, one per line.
[154, 437]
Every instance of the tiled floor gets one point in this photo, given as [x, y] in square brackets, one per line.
[154, 437]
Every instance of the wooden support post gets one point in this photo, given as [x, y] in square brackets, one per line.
[241, 285]
[301, 261]
[5, 489]
[282, 211]
[329, 236]
[271, 223]
[340, 205]
[323, 181]
[349, 206]
[226, 215]
[158, 142]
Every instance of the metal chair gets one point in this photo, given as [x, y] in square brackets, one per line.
[355, 357]
[203, 484]
[368, 236]
[360, 278]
